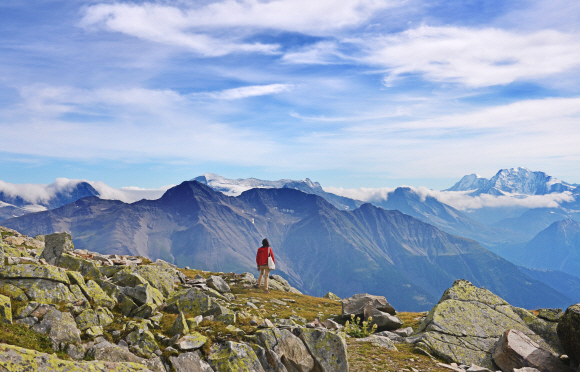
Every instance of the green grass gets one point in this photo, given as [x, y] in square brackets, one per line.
[21, 335]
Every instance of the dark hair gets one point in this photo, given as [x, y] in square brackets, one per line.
[265, 243]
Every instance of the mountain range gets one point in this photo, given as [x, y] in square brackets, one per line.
[318, 247]
[513, 181]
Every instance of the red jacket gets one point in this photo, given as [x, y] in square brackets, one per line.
[262, 256]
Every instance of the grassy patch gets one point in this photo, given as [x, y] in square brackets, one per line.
[21, 335]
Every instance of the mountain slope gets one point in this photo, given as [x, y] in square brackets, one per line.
[560, 281]
[555, 248]
[317, 246]
[512, 181]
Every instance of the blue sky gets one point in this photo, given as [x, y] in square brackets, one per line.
[350, 93]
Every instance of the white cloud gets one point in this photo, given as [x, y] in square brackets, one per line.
[474, 57]
[246, 92]
[193, 27]
[42, 193]
[457, 199]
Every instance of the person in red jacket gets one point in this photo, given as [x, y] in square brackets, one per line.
[262, 262]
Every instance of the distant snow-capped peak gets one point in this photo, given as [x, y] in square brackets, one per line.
[513, 181]
[235, 187]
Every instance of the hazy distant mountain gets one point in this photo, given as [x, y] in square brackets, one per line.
[445, 217]
[555, 248]
[49, 199]
[318, 247]
[513, 181]
[560, 281]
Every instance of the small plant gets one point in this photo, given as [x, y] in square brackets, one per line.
[354, 328]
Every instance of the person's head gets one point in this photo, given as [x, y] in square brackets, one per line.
[265, 243]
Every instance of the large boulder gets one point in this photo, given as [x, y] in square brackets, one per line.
[60, 327]
[291, 351]
[105, 350]
[217, 283]
[234, 357]
[569, 332]
[327, 348]
[98, 296]
[356, 304]
[14, 358]
[161, 277]
[189, 362]
[516, 350]
[87, 268]
[191, 301]
[5, 310]
[179, 326]
[384, 321]
[143, 342]
[466, 323]
[26, 271]
[87, 319]
[55, 245]
[192, 341]
[42, 290]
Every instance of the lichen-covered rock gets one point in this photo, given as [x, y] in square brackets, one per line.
[269, 360]
[218, 284]
[516, 350]
[160, 277]
[234, 357]
[127, 305]
[5, 310]
[143, 341]
[545, 329]
[112, 290]
[105, 315]
[105, 350]
[191, 301]
[10, 290]
[189, 362]
[191, 341]
[98, 296]
[464, 326]
[327, 348]
[77, 278]
[126, 278]
[87, 319]
[226, 318]
[79, 296]
[14, 358]
[60, 327]
[42, 290]
[551, 315]
[179, 326]
[331, 296]
[384, 321]
[88, 268]
[569, 332]
[26, 271]
[55, 245]
[356, 304]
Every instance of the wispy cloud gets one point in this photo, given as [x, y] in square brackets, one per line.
[458, 200]
[246, 92]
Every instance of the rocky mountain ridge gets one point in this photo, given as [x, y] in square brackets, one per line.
[318, 247]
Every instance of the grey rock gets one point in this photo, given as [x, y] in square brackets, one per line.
[190, 342]
[526, 369]
[552, 315]
[405, 332]
[55, 245]
[269, 360]
[356, 304]
[475, 368]
[331, 324]
[391, 336]
[60, 327]
[380, 341]
[569, 332]
[112, 353]
[327, 348]
[231, 353]
[75, 352]
[384, 321]
[29, 321]
[189, 362]
[516, 350]
[218, 284]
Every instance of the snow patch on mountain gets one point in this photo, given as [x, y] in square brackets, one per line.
[236, 187]
[513, 182]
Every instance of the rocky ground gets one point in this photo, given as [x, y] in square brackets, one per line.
[66, 309]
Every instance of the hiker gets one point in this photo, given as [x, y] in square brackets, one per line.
[262, 261]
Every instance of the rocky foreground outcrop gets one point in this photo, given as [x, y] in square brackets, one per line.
[469, 323]
[113, 311]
